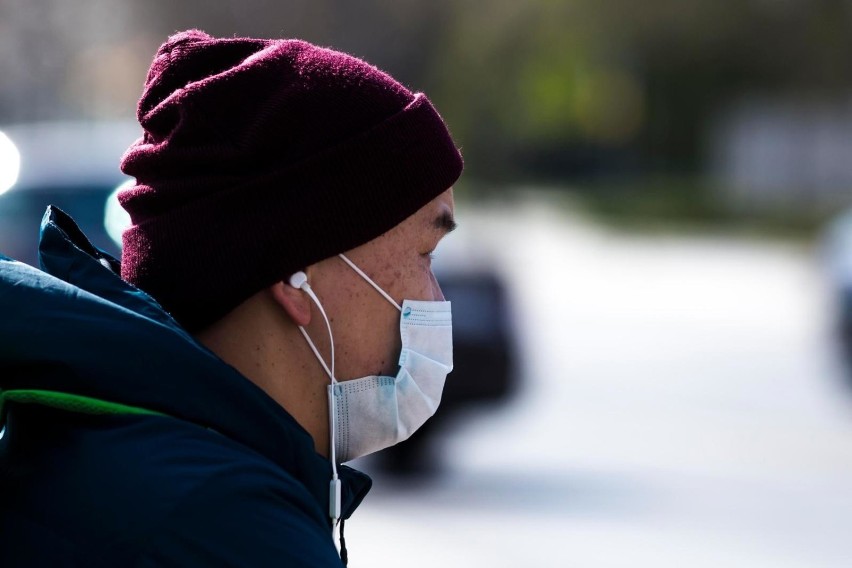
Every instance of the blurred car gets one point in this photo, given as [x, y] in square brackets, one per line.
[75, 167]
[837, 259]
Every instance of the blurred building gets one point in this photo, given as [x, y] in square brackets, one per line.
[784, 152]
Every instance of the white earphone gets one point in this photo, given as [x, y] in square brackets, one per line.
[298, 280]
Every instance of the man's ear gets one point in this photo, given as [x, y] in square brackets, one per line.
[295, 302]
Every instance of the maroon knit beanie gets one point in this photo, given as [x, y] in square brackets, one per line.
[261, 157]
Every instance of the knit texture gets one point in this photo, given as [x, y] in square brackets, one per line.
[260, 157]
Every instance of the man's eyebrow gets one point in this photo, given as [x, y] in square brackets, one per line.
[445, 222]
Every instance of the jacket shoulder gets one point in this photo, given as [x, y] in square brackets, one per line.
[247, 520]
[158, 491]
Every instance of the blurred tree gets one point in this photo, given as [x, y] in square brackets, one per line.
[547, 88]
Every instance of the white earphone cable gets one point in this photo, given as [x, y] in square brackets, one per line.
[334, 502]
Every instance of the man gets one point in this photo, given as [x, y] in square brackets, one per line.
[273, 315]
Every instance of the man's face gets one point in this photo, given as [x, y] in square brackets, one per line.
[365, 324]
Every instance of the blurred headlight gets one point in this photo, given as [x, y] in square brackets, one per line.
[10, 163]
[116, 219]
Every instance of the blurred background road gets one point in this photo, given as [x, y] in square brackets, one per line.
[682, 406]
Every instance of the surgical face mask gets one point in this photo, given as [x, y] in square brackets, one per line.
[374, 412]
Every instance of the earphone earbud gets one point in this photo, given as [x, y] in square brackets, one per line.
[298, 280]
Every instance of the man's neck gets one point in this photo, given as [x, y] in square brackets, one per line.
[267, 348]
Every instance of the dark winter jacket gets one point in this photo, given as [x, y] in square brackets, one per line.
[127, 443]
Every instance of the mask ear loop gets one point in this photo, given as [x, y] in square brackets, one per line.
[300, 280]
[369, 280]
